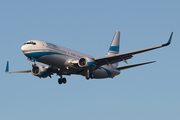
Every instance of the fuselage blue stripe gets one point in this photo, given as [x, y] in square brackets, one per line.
[37, 55]
[108, 72]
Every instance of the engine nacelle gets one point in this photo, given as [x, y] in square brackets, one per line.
[86, 63]
[40, 71]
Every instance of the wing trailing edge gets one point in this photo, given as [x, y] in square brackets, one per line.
[134, 65]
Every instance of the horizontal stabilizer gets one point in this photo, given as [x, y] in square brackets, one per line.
[21, 71]
[134, 65]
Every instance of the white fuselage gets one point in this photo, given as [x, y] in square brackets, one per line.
[59, 57]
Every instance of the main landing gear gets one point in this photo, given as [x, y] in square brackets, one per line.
[62, 80]
[89, 75]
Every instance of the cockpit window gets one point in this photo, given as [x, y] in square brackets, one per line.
[33, 43]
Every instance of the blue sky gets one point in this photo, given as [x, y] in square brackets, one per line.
[146, 92]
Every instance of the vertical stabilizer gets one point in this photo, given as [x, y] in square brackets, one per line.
[114, 48]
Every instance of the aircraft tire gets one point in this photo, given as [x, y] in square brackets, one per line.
[87, 78]
[64, 80]
[60, 81]
[91, 76]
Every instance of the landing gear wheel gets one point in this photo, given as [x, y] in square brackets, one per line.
[64, 80]
[60, 81]
[91, 76]
[87, 78]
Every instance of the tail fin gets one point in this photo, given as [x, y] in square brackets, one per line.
[114, 48]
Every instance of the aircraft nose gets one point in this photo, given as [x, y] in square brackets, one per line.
[23, 48]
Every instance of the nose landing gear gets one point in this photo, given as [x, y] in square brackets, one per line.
[34, 64]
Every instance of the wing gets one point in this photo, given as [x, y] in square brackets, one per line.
[110, 59]
[21, 71]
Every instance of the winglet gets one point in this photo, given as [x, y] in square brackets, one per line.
[7, 67]
[169, 41]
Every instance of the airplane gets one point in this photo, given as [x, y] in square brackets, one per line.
[64, 61]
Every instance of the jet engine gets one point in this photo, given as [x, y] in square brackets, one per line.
[40, 71]
[86, 63]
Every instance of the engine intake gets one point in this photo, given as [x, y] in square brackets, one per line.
[40, 71]
[35, 70]
[86, 63]
[82, 62]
